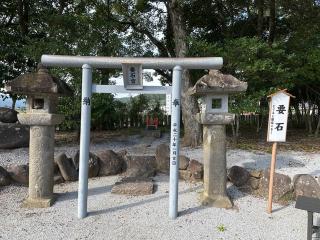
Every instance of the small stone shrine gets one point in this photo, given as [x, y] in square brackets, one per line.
[213, 90]
[42, 91]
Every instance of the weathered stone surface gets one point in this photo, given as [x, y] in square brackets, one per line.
[122, 153]
[281, 185]
[256, 173]
[218, 201]
[140, 166]
[66, 167]
[185, 175]
[306, 185]
[4, 177]
[8, 115]
[58, 179]
[163, 158]
[110, 163]
[94, 164]
[133, 186]
[196, 169]
[13, 136]
[238, 175]
[253, 183]
[183, 162]
[19, 173]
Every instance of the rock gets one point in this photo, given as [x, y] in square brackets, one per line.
[19, 173]
[122, 153]
[58, 179]
[140, 166]
[253, 183]
[196, 169]
[306, 185]
[133, 186]
[256, 173]
[110, 163]
[281, 185]
[94, 164]
[8, 115]
[13, 136]
[66, 167]
[4, 177]
[163, 158]
[185, 175]
[183, 162]
[238, 175]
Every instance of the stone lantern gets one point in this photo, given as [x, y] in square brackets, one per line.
[42, 91]
[213, 90]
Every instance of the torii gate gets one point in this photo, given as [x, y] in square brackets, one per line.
[87, 63]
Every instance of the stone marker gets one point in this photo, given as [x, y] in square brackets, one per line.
[8, 115]
[4, 177]
[133, 186]
[19, 173]
[42, 92]
[306, 185]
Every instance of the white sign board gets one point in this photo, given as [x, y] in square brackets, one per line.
[278, 117]
[132, 76]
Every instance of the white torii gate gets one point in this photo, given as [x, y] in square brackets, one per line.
[87, 63]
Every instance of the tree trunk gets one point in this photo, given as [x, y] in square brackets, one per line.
[192, 128]
[259, 4]
[316, 133]
[272, 21]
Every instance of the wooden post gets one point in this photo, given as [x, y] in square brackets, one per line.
[272, 168]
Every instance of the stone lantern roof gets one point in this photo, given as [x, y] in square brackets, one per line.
[39, 83]
[217, 82]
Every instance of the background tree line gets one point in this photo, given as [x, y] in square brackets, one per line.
[270, 44]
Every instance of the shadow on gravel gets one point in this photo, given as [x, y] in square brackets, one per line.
[91, 192]
[130, 205]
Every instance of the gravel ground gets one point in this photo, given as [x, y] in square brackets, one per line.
[146, 217]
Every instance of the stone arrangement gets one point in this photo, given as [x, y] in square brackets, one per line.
[137, 173]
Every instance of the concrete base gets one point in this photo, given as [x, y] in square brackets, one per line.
[218, 201]
[38, 203]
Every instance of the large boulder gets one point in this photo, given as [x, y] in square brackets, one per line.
[19, 173]
[66, 167]
[281, 185]
[306, 185]
[133, 186]
[94, 165]
[8, 115]
[140, 166]
[110, 163]
[4, 177]
[238, 175]
[196, 170]
[13, 136]
[163, 158]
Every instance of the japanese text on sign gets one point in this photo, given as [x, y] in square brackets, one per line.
[278, 117]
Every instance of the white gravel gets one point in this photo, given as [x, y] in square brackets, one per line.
[146, 217]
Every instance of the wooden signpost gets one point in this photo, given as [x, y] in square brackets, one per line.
[277, 130]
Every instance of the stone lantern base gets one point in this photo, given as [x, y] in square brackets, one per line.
[38, 202]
